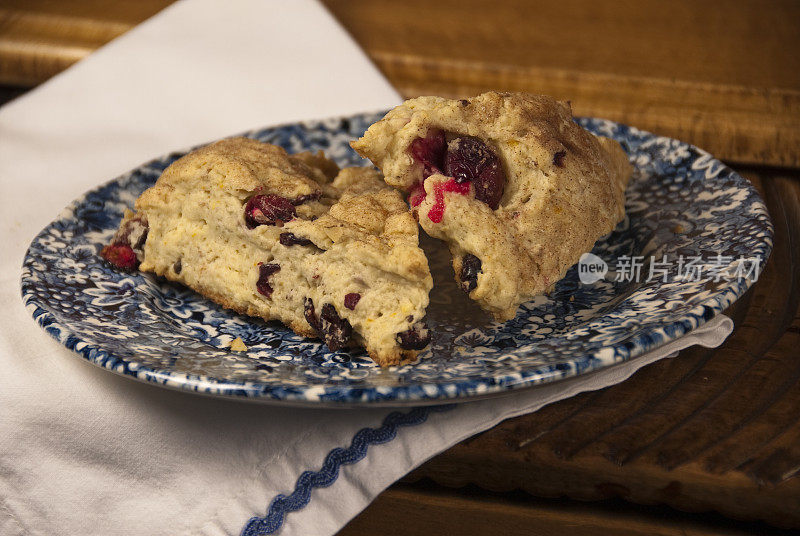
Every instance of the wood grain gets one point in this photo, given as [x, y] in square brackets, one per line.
[711, 430]
[41, 38]
[735, 42]
[739, 124]
[723, 76]
[410, 511]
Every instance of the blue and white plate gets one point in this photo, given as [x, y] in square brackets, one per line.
[696, 232]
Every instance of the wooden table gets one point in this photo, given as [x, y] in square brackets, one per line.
[707, 443]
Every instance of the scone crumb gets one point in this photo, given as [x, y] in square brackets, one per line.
[238, 345]
[280, 234]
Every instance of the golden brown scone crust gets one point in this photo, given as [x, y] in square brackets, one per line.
[363, 240]
[564, 188]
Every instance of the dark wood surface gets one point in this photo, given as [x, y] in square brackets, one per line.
[425, 510]
[712, 432]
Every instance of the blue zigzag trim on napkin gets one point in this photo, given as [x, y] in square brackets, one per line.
[327, 475]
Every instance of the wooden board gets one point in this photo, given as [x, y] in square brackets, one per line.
[405, 510]
[41, 38]
[722, 75]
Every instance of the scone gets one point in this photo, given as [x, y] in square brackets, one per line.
[515, 187]
[331, 254]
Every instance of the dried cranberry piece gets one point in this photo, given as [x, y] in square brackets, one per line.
[310, 314]
[121, 256]
[416, 195]
[469, 159]
[429, 151]
[416, 338]
[134, 226]
[558, 158]
[470, 268]
[121, 253]
[264, 273]
[351, 300]
[268, 210]
[289, 239]
[335, 330]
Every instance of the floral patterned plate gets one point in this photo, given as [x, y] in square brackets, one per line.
[695, 236]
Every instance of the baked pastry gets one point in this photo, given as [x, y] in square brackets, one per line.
[331, 253]
[515, 187]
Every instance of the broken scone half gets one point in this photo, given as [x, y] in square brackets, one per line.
[330, 253]
[516, 188]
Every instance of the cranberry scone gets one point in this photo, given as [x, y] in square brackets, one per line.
[515, 187]
[330, 253]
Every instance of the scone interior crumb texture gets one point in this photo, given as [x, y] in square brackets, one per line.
[509, 181]
[238, 345]
[514, 186]
[328, 252]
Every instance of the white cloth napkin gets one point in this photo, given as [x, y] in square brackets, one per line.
[86, 452]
